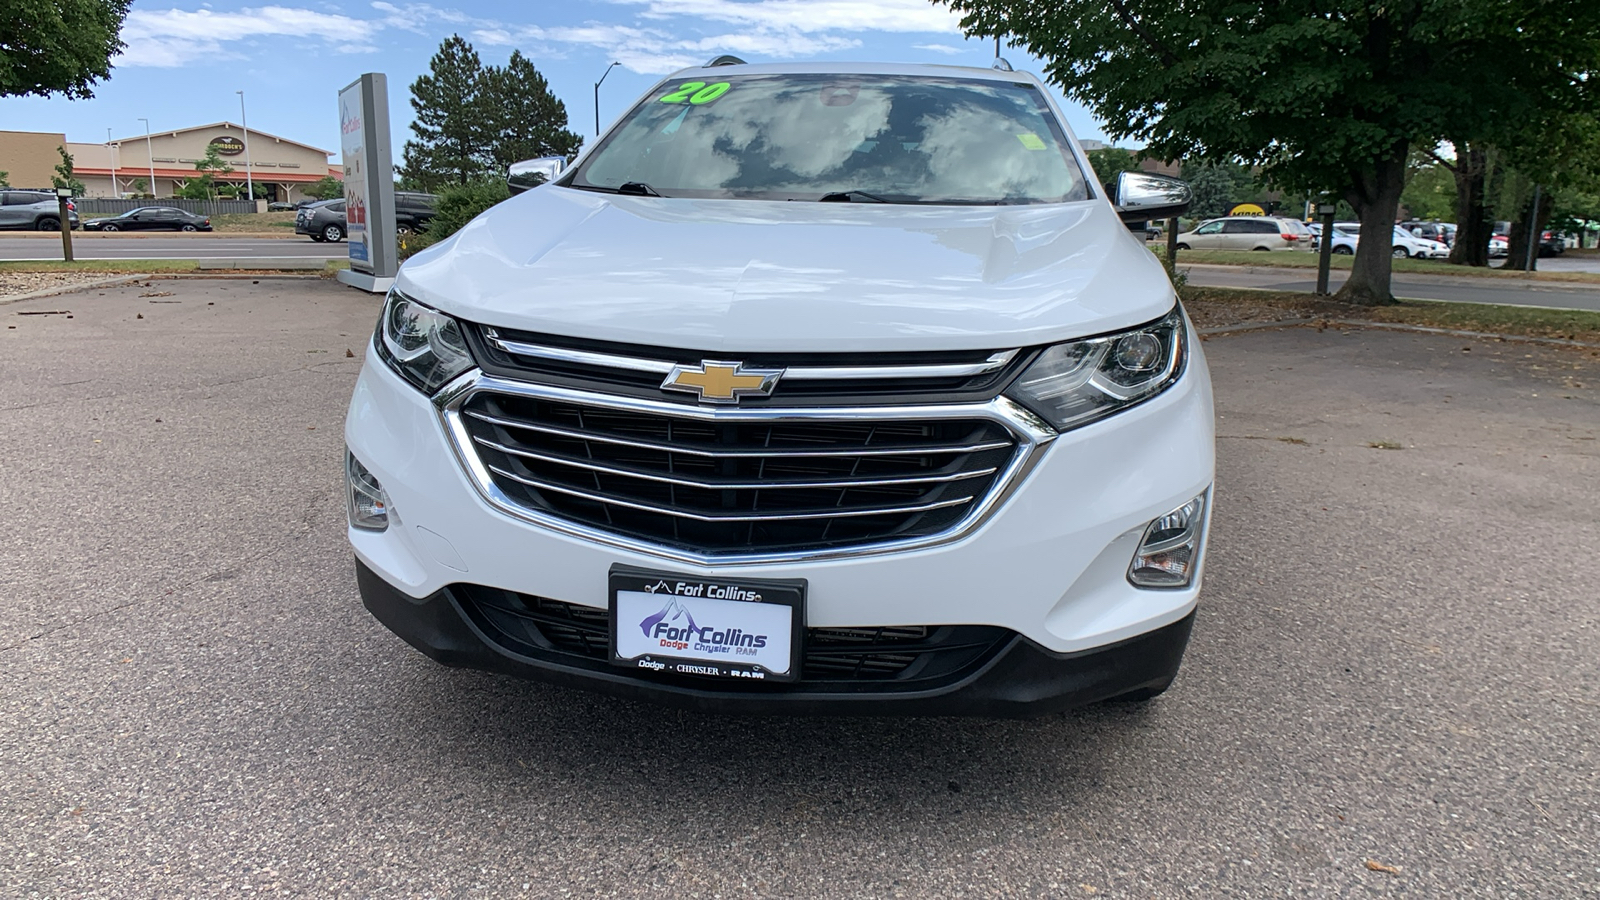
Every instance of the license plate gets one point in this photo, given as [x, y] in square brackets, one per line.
[727, 628]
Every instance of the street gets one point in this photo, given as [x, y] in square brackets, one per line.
[175, 247]
[1465, 289]
[1394, 663]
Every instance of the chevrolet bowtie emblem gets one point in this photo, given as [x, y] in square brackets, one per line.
[721, 382]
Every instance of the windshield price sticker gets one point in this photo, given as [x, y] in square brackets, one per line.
[697, 92]
[749, 630]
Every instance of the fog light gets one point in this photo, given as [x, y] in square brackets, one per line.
[367, 503]
[1170, 552]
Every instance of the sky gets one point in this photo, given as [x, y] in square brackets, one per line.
[185, 59]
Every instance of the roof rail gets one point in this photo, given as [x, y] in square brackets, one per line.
[725, 60]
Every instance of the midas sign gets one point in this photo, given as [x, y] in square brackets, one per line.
[1247, 209]
[228, 145]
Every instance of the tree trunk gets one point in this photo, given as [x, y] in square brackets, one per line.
[1473, 227]
[1517, 256]
[1376, 199]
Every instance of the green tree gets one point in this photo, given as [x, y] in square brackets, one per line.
[1325, 95]
[1213, 188]
[3, 176]
[59, 46]
[63, 178]
[204, 185]
[327, 188]
[1430, 191]
[1109, 162]
[523, 120]
[450, 125]
[139, 187]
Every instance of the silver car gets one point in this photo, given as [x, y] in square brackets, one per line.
[33, 211]
[1248, 233]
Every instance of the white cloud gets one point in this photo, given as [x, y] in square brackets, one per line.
[174, 37]
[665, 35]
[946, 49]
[812, 15]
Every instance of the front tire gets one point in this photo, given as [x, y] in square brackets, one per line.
[1400, 253]
[108, 228]
[402, 228]
[1261, 249]
[1183, 246]
[333, 234]
[1343, 251]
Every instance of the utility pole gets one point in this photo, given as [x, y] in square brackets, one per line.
[150, 156]
[1533, 232]
[249, 183]
[597, 97]
[113, 154]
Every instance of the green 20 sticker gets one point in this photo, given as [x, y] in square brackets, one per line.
[697, 92]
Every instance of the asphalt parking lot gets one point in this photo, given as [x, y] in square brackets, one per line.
[1395, 659]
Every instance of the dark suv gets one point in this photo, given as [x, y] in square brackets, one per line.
[33, 211]
[325, 221]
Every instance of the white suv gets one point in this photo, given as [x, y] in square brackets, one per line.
[807, 388]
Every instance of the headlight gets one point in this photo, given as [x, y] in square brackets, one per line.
[423, 345]
[1075, 383]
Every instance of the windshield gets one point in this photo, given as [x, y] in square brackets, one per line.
[897, 139]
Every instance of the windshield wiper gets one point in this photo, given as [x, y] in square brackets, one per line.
[851, 197]
[631, 188]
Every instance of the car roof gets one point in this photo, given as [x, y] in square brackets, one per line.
[970, 73]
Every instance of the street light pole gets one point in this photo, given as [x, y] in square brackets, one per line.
[112, 153]
[597, 97]
[150, 156]
[249, 183]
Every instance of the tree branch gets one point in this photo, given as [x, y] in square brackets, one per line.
[1166, 55]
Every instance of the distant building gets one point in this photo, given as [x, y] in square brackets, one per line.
[281, 168]
[1092, 145]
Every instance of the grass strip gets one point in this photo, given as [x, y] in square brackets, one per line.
[1219, 307]
[1295, 259]
[109, 266]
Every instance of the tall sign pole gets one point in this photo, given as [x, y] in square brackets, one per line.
[368, 183]
[149, 155]
[112, 153]
[249, 184]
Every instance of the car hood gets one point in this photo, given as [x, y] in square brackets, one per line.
[742, 275]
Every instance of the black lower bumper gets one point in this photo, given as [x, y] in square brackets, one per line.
[1019, 678]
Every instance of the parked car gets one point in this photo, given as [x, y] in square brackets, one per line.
[34, 211]
[1498, 246]
[282, 206]
[1407, 244]
[797, 444]
[1344, 243]
[1552, 243]
[325, 220]
[322, 220]
[1248, 233]
[1443, 232]
[1403, 244]
[413, 210]
[150, 218]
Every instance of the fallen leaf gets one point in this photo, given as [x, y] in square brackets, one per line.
[1376, 866]
[348, 353]
[139, 316]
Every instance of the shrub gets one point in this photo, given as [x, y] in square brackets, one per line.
[457, 205]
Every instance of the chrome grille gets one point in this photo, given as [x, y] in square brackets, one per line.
[722, 485]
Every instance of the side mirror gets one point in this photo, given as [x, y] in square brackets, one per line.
[530, 173]
[1140, 196]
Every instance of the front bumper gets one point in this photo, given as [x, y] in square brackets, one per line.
[1048, 566]
[1016, 679]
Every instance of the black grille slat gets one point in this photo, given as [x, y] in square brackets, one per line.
[736, 486]
[906, 656]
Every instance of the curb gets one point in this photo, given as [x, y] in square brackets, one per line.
[1395, 326]
[71, 288]
[1425, 278]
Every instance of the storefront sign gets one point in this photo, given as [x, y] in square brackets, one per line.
[368, 177]
[1247, 209]
[227, 145]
